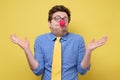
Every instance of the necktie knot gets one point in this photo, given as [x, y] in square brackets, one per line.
[58, 38]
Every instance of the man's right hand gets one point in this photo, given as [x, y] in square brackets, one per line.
[22, 43]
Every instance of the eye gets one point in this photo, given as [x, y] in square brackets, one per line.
[66, 19]
[57, 18]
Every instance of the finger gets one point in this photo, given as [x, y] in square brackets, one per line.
[92, 41]
[14, 38]
[104, 39]
[26, 39]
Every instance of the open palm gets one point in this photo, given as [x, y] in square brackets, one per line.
[22, 43]
[94, 44]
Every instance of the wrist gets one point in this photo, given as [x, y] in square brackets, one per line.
[26, 49]
[88, 51]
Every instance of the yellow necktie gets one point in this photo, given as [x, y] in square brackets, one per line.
[56, 62]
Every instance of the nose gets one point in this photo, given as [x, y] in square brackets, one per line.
[62, 23]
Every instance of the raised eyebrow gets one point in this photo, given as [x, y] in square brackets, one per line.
[65, 17]
[57, 16]
[60, 16]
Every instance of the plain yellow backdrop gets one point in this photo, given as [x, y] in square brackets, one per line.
[90, 18]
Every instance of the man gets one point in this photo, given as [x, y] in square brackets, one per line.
[75, 56]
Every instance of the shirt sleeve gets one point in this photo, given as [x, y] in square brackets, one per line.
[81, 53]
[39, 57]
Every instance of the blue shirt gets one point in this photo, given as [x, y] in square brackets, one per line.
[73, 50]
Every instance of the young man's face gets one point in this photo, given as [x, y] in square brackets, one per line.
[55, 26]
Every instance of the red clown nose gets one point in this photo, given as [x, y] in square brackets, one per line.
[62, 23]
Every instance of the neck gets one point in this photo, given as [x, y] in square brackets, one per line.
[60, 34]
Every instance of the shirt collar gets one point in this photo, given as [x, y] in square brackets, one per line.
[65, 37]
[53, 37]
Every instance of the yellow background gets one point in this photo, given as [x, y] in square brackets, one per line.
[90, 18]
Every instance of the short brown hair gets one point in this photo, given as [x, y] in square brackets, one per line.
[57, 8]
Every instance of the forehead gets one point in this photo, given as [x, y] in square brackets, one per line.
[62, 14]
